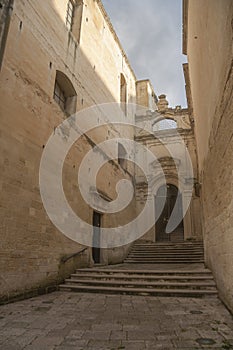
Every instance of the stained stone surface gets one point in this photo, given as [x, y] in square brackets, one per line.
[66, 321]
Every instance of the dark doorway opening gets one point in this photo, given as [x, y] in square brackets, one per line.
[169, 194]
[96, 237]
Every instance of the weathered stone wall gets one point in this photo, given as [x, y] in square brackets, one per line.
[6, 7]
[39, 44]
[159, 143]
[146, 96]
[209, 46]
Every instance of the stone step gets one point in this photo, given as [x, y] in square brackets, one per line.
[127, 271]
[191, 249]
[165, 251]
[185, 253]
[135, 276]
[193, 281]
[139, 291]
[169, 245]
[164, 261]
[163, 254]
[173, 256]
[164, 257]
[139, 283]
[174, 244]
[157, 249]
[168, 248]
[171, 253]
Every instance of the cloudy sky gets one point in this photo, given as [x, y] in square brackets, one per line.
[150, 32]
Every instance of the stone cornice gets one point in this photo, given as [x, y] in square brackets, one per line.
[165, 134]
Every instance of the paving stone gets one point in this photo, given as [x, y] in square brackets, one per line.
[185, 344]
[140, 335]
[70, 347]
[44, 342]
[26, 338]
[150, 323]
[10, 345]
[96, 335]
[164, 337]
[105, 344]
[162, 344]
[118, 335]
[75, 334]
[7, 331]
[70, 343]
[134, 345]
[107, 327]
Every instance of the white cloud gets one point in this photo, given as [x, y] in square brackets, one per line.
[150, 32]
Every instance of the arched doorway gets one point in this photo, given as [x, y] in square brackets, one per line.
[168, 194]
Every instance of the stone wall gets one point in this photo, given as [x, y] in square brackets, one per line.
[38, 45]
[146, 96]
[208, 43]
[6, 8]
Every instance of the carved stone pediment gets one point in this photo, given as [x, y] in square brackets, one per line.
[165, 162]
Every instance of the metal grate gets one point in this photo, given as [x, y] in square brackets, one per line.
[70, 15]
[59, 96]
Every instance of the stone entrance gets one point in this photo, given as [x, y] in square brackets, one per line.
[96, 237]
[168, 194]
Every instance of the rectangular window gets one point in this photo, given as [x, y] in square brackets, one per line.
[59, 96]
[64, 93]
[70, 15]
[121, 156]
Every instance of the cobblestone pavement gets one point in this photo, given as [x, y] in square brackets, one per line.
[66, 321]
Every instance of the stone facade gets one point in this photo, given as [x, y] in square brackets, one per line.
[40, 48]
[207, 41]
[146, 96]
[172, 131]
[5, 17]
[58, 59]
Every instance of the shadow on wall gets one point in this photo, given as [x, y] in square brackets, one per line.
[38, 46]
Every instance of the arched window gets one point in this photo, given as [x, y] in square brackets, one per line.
[121, 156]
[64, 93]
[123, 93]
[165, 124]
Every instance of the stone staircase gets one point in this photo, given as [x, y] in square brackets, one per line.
[169, 253]
[188, 283]
[155, 278]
